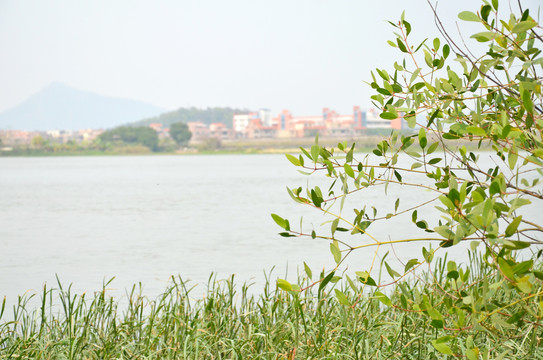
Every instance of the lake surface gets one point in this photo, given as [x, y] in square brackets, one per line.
[145, 218]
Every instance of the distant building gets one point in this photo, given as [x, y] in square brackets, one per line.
[254, 125]
[201, 131]
[220, 131]
[240, 123]
[161, 130]
[198, 129]
[18, 137]
[328, 123]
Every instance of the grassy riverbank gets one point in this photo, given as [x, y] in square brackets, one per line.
[229, 323]
[240, 146]
[210, 146]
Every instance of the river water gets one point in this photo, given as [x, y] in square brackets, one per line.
[146, 218]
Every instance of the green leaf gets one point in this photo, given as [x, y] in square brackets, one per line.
[285, 285]
[468, 16]
[388, 115]
[463, 191]
[383, 91]
[294, 197]
[326, 280]
[475, 85]
[506, 268]
[342, 298]
[488, 211]
[494, 188]
[401, 45]
[475, 130]
[538, 274]
[450, 136]
[350, 154]
[365, 278]
[415, 74]
[446, 51]
[411, 121]
[442, 347]
[398, 176]
[444, 231]
[428, 59]
[523, 26]
[485, 11]
[522, 268]
[524, 284]
[383, 298]
[512, 158]
[390, 271]
[518, 202]
[515, 245]
[512, 227]
[483, 36]
[495, 4]
[410, 264]
[422, 224]
[315, 150]
[432, 148]
[538, 153]
[308, 271]
[286, 234]
[436, 44]
[305, 153]
[351, 284]
[281, 222]
[407, 27]
[293, 159]
[437, 318]
[422, 138]
[432, 118]
[335, 223]
[348, 170]
[317, 200]
[334, 249]
[527, 101]
[383, 74]
[453, 274]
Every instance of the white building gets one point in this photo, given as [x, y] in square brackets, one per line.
[240, 123]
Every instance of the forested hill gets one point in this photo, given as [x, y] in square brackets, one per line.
[206, 116]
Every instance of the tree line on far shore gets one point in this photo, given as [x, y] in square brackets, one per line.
[119, 140]
[145, 136]
[206, 116]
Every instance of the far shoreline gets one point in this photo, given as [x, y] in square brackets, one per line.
[363, 144]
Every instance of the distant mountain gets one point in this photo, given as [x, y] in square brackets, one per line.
[206, 116]
[61, 107]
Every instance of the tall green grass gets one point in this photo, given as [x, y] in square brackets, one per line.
[230, 322]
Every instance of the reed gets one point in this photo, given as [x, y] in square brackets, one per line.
[232, 321]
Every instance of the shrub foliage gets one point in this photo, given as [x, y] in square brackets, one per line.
[457, 102]
[140, 135]
[180, 133]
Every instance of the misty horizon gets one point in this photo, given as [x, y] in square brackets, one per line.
[281, 55]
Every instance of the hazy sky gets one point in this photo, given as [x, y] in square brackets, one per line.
[300, 55]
